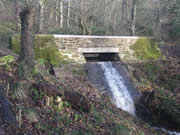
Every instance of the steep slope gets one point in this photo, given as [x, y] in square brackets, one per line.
[36, 115]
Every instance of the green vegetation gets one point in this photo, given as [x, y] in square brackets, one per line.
[45, 49]
[15, 43]
[120, 129]
[6, 59]
[36, 94]
[159, 83]
[165, 104]
[146, 49]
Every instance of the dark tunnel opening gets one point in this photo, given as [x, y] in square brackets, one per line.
[95, 57]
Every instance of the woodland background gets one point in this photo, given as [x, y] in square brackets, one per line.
[158, 18]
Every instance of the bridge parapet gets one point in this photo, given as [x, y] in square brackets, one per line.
[74, 45]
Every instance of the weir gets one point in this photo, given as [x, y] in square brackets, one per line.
[113, 77]
[120, 93]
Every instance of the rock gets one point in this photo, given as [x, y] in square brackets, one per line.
[31, 116]
[6, 112]
[2, 132]
[130, 68]
[57, 71]
[77, 101]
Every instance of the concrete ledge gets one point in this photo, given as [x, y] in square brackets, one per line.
[98, 50]
[96, 37]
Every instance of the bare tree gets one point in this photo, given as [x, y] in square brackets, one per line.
[61, 13]
[41, 16]
[111, 17]
[27, 50]
[133, 18]
[69, 13]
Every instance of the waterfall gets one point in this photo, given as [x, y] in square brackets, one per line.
[120, 94]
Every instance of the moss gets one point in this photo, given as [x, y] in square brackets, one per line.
[146, 49]
[16, 43]
[45, 48]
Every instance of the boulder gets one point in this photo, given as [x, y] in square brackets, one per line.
[31, 116]
[2, 132]
[6, 112]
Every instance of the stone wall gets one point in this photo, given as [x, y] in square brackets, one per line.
[130, 48]
[68, 45]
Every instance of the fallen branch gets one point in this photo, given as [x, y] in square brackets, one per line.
[77, 100]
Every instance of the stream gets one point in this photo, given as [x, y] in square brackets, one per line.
[123, 95]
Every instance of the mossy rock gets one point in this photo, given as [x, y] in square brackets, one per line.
[146, 49]
[44, 46]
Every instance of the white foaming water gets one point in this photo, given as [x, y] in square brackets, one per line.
[121, 96]
[166, 131]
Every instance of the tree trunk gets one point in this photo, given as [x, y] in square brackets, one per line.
[104, 4]
[41, 17]
[157, 23]
[69, 13]
[62, 18]
[124, 8]
[115, 15]
[133, 18]
[16, 15]
[27, 50]
[57, 14]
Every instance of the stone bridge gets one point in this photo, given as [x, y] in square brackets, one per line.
[77, 47]
[83, 48]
